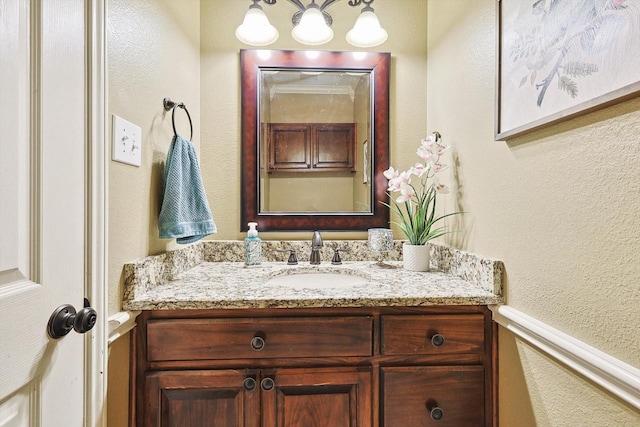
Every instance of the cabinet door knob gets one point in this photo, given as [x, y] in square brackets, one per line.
[249, 383]
[436, 413]
[267, 384]
[257, 343]
[437, 340]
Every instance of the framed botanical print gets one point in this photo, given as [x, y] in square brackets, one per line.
[558, 59]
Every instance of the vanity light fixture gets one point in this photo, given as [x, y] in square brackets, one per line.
[312, 25]
[256, 29]
[367, 31]
[312, 28]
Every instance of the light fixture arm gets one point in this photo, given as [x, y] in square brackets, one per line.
[297, 4]
[302, 7]
[327, 3]
[295, 19]
[367, 3]
[256, 3]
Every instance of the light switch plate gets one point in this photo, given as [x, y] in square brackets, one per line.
[127, 142]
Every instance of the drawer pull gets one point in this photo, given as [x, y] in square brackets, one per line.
[267, 384]
[436, 413]
[437, 340]
[249, 383]
[257, 343]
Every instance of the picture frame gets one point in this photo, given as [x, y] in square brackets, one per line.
[556, 61]
[365, 161]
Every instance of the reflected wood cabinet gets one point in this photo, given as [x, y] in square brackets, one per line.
[311, 147]
[431, 366]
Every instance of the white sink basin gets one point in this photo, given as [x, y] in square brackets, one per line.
[319, 280]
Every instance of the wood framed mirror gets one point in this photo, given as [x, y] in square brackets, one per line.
[315, 139]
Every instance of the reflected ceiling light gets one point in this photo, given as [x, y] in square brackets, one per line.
[359, 55]
[256, 30]
[264, 54]
[312, 54]
[312, 25]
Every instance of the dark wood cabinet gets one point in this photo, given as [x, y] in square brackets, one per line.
[289, 147]
[200, 398]
[311, 147]
[319, 398]
[361, 367]
[252, 398]
[442, 396]
[261, 338]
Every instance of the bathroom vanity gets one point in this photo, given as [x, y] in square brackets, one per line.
[236, 345]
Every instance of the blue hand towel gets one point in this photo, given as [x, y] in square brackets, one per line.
[185, 213]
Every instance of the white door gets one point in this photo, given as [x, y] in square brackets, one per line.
[44, 255]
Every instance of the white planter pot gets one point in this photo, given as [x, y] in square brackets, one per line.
[415, 257]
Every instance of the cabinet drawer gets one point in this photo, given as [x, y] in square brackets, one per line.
[443, 396]
[259, 338]
[432, 334]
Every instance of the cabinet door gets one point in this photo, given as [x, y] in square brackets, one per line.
[336, 397]
[438, 396]
[201, 398]
[289, 147]
[334, 147]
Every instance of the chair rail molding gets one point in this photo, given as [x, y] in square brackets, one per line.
[120, 323]
[614, 375]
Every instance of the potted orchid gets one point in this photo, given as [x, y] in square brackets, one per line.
[415, 203]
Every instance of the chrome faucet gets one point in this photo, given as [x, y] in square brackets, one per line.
[316, 244]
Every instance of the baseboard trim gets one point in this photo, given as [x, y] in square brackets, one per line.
[614, 375]
[120, 323]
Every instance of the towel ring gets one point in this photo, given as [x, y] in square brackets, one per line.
[168, 104]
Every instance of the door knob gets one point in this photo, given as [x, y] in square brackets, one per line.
[65, 318]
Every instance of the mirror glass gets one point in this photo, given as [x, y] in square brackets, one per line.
[314, 139]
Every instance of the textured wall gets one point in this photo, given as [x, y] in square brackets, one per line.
[153, 52]
[559, 206]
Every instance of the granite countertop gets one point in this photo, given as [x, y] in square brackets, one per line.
[210, 274]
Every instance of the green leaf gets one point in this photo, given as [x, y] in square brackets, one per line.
[568, 85]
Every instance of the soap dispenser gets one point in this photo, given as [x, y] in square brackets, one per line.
[252, 246]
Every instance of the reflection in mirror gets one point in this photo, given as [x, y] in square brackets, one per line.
[314, 139]
[315, 131]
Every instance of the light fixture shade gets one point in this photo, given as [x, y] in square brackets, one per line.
[256, 30]
[312, 29]
[367, 31]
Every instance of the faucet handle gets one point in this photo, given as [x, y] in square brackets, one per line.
[293, 260]
[336, 255]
